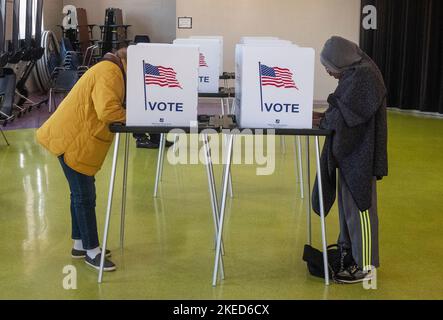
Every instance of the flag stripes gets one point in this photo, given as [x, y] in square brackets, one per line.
[161, 76]
[277, 77]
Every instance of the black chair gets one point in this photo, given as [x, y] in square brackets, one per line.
[142, 39]
[64, 78]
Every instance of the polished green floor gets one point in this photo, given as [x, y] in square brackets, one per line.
[169, 241]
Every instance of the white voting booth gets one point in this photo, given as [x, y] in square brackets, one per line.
[220, 40]
[274, 89]
[274, 85]
[162, 85]
[243, 40]
[209, 62]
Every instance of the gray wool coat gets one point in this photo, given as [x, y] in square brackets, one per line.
[358, 145]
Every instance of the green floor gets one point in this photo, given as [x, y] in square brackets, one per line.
[169, 241]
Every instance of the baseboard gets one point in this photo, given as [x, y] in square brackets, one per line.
[434, 115]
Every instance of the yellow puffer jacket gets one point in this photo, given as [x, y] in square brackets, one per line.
[79, 127]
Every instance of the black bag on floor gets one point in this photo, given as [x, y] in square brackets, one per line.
[314, 260]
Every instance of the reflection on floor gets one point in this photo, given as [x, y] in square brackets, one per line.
[169, 252]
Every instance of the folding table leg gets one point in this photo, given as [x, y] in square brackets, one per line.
[163, 148]
[283, 144]
[222, 209]
[230, 186]
[322, 211]
[124, 192]
[159, 173]
[109, 207]
[300, 165]
[308, 202]
[176, 140]
[213, 193]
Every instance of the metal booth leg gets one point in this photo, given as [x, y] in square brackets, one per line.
[222, 208]
[222, 105]
[300, 165]
[230, 186]
[109, 207]
[124, 192]
[213, 194]
[322, 211]
[308, 202]
[283, 144]
[161, 153]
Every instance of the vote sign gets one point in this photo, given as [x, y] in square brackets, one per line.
[209, 63]
[220, 41]
[274, 86]
[162, 83]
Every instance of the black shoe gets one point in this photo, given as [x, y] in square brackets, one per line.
[146, 144]
[80, 254]
[95, 263]
[353, 274]
[346, 259]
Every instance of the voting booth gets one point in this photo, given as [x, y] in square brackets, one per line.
[243, 40]
[162, 85]
[220, 40]
[209, 63]
[274, 85]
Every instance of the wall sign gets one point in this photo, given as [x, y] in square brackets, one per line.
[184, 22]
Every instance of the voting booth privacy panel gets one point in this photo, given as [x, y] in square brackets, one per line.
[209, 63]
[162, 85]
[220, 40]
[274, 85]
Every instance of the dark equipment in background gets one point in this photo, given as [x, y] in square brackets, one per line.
[113, 33]
[31, 54]
[7, 75]
[408, 48]
[28, 50]
[46, 65]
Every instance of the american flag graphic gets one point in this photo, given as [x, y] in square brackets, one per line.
[203, 60]
[277, 77]
[161, 76]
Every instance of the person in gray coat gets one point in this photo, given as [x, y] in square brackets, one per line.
[357, 149]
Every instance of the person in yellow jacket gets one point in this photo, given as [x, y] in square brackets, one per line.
[78, 134]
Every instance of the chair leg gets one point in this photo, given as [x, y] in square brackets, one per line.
[4, 137]
[50, 101]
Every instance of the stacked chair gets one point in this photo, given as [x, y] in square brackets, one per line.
[71, 70]
[113, 33]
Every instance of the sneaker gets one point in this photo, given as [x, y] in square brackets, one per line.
[80, 254]
[95, 263]
[346, 259]
[146, 144]
[353, 274]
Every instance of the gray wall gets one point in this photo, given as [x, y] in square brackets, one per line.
[308, 23]
[153, 17]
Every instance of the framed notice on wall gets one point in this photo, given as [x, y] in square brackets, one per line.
[184, 22]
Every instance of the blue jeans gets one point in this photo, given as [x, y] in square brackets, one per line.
[84, 223]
